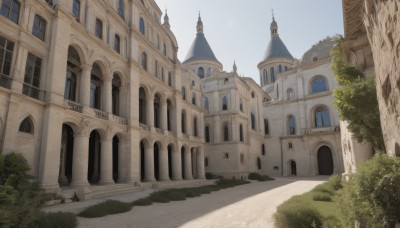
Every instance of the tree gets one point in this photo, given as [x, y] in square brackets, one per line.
[356, 100]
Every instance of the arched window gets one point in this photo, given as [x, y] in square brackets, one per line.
[157, 113]
[96, 81]
[280, 68]
[141, 26]
[206, 103]
[99, 28]
[253, 121]
[26, 126]
[183, 93]
[265, 76]
[117, 43]
[121, 8]
[73, 69]
[241, 104]
[144, 60]
[183, 121]
[318, 84]
[142, 106]
[241, 133]
[226, 132]
[272, 74]
[262, 149]
[193, 99]
[165, 49]
[292, 125]
[207, 134]
[200, 72]
[289, 94]
[322, 118]
[31, 85]
[266, 127]
[224, 103]
[76, 9]
[195, 126]
[116, 85]
[39, 27]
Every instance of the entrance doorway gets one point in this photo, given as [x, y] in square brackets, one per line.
[94, 157]
[142, 163]
[293, 168]
[325, 161]
[67, 148]
[115, 146]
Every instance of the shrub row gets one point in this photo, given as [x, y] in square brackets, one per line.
[259, 177]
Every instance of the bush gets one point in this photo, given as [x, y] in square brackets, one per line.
[108, 207]
[371, 196]
[56, 219]
[212, 176]
[230, 183]
[259, 177]
[297, 215]
[142, 202]
[318, 196]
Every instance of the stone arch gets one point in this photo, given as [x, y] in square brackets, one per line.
[32, 120]
[160, 93]
[105, 69]
[81, 49]
[312, 114]
[146, 89]
[157, 149]
[292, 167]
[122, 74]
[334, 154]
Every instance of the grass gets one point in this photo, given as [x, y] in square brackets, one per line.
[56, 219]
[317, 208]
[176, 194]
[259, 177]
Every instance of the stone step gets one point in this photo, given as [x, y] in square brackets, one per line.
[98, 192]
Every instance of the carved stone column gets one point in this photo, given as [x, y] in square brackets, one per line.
[85, 85]
[106, 163]
[149, 164]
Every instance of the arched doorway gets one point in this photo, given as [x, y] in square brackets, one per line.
[170, 149]
[194, 162]
[115, 146]
[258, 163]
[67, 147]
[293, 168]
[156, 161]
[325, 161]
[94, 157]
[183, 150]
[142, 159]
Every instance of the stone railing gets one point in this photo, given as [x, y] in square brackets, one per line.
[73, 106]
[185, 136]
[159, 131]
[119, 120]
[100, 114]
[316, 130]
[171, 133]
[144, 127]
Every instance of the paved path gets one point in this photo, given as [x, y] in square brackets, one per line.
[251, 205]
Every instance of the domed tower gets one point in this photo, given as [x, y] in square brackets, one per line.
[200, 58]
[277, 58]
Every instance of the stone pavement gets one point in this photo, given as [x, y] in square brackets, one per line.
[251, 205]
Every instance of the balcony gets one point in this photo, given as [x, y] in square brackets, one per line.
[5, 81]
[185, 136]
[159, 131]
[33, 92]
[119, 120]
[144, 127]
[73, 106]
[318, 130]
[100, 114]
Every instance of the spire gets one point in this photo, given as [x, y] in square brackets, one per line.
[274, 25]
[234, 66]
[199, 25]
[166, 20]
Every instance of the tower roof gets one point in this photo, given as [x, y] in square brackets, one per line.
[200, 49]
[276, 48]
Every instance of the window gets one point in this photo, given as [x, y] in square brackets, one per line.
[115, 95]
[224, 103]
[193, 99]
[266, 127]
[200, 72]
[207, 134]
[193, 83]
[280, 68]
[142, 106]
[99, 28]
[290, 145]
[292, 125]
[141, 26]
[206, 103]
[144, 60]
[39, 27]
[241, 133]
[183, 93]
[226, 155]
[73, 70]
[156, 68]
[206, 162]
[241, 158]
[169, 78]
[70, 86]
[6, 55]
[286, 68]
[183, 122]
[253, 95]
[10, 9]
[117, 43]
[262, 149]
[322, 117]
[265, 76]
[165, 49]
[195, 127]
[76, 8]
[26, 126]
[32, 76]
[121, 8]
[318, 85]
[289, 94]
[272, 73]
[258, 163]
[241, 104]
[226, 132]
[95, 87]
[253, 121]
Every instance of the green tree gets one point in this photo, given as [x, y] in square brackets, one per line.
[356, 100]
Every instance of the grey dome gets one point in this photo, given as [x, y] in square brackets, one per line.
[276, 49]
[200, 50]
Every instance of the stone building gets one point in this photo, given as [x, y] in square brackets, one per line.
[302, 133]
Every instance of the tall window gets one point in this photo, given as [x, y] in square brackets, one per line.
[207, 133]
[292, 125]
[117, 43]
[265, 76]
[142, 106]
[195, 126]
[206, 103]
[241, 133]
[10, 9]
[193, 98]
[70, 86]
[224, 103]
[99, 28]
[95, 87]
[165, 49]
[266, 127]
[73, 69]
[241, 104]
[6, 55]
[318, 85]
[116, 85]
[26, 126]
[76, 8]
[141, 26]
[169, 78]
[144, 60]
[39, 27]
[121, 8]
[280, 68]
[289, 94]
[322, 117]
[200, 72]
[226, 132]
[183, 93]
[262, 149]
[272, 73]
[32, 76]
[183, 122]
[253, 121]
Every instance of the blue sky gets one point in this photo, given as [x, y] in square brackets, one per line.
[239, 29]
